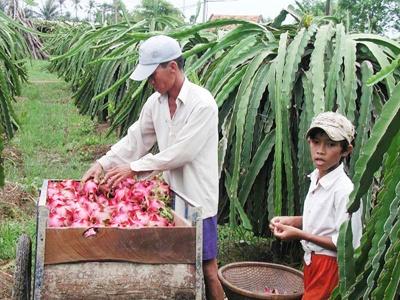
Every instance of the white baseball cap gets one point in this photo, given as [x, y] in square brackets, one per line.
[336, 126]
[152, 52]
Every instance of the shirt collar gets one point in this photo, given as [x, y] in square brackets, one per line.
[183, 94]
[328, 180]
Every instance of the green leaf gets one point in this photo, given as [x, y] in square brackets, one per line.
[336, 63]
[223, 143]
[240, 111]
[225, 66]
[384, 72]
[364, 120]
[303, 153]
[259, 85]
[350, 79]
[379, 243]
[258, 161]
[233, 82]
[236, 205]
[278, 67]
[345, 256]
[294, 54]
[226, 41]
[383, 61]
[371, 156]
[324, 34]
[378, 40]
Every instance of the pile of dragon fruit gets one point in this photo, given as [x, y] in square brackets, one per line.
[132, 204]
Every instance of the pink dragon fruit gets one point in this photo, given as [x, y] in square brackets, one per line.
[133, 204]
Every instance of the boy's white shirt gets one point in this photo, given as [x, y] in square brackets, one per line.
[325, 210]
[188, 144]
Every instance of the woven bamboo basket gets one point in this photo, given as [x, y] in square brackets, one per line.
[248, 280]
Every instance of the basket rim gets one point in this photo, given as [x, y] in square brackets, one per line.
[252, 294]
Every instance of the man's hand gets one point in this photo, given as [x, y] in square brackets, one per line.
[95, 172]
[287, 232]
[117, 174]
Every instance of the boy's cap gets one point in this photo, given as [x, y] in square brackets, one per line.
[336, 126]
[152, 52]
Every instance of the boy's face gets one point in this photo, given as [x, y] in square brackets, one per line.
[325, 153]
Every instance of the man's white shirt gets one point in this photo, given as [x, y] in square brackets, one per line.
[187, 142]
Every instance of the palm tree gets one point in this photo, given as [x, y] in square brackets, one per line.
[91, 7]
[29, 13]
[149, 9]
[49, 10]
[105, 8]
[77, 6]
[3, 5]
[61, 4]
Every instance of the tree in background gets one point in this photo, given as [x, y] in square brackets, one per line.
[118, 7]
[314, 7]
[374, 16]
[61, 4]
[3, 5]
[77, 6]
[103, 13]
[150, 9]
[48, 10]
[193, 18]
[90, 9]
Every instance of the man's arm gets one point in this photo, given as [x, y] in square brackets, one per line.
[189, 142]
[137, 142]
[139, 139]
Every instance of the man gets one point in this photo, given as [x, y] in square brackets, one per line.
[182, 118]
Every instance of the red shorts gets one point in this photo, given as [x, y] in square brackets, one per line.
[320, 277]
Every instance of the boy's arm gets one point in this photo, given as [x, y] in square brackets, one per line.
[286, 232]
[323, 241]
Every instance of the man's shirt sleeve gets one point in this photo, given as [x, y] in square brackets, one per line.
[189, 141]
[137, 142]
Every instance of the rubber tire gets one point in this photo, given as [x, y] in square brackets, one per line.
[22, 273]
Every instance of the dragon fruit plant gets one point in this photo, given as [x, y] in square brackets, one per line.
[132, 204]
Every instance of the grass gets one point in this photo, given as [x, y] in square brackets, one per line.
[54, 141]
[9, 233]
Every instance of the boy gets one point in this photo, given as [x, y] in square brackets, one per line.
[329, 137]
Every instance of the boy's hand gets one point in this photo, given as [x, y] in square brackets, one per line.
[285, 220]
[295, 221]
[287, 232]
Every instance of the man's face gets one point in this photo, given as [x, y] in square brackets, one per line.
[163, 78]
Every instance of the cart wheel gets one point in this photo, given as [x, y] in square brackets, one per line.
[22, 274]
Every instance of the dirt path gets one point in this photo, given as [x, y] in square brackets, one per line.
[44, 81]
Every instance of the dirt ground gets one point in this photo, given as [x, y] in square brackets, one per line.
[6, 280]
[13, 200]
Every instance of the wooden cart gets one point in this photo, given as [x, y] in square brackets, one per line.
[146, 263]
